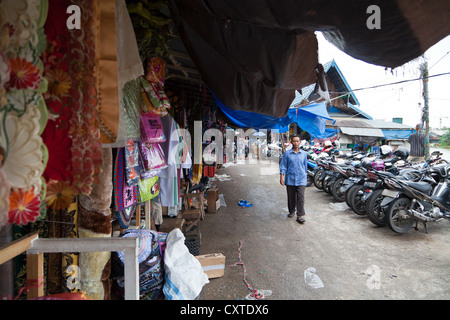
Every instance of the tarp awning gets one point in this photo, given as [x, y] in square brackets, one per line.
[254, 54]
[311, 118]
[397, 134]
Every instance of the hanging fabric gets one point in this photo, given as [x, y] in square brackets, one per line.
[132, 163]
[155, 99]
[130, 69]
[155, 70]
[125, 198]
[106, 69]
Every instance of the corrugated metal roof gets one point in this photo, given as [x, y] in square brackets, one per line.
[366, 132]
[387, 124]
[299, 97]
[360, 122]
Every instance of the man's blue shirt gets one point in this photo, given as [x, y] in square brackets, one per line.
[294, 166]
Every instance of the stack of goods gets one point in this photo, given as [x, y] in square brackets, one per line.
[151, 267]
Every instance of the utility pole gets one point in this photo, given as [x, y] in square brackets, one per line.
[426, 110]
[440, 121]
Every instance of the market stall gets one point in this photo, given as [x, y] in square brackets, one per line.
[92, 146]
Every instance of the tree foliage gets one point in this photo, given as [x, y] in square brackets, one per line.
[445, 138]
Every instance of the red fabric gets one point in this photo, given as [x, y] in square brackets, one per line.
[59, 146]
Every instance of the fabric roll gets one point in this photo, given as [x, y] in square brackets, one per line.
[106, 69]
[95, 222]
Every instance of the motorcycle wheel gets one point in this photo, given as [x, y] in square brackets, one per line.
[373, 210]
[318, 183]
[347, 195]
[325, 186]
[309, 180]
[357, 205]
[397, 217]
[335, 192]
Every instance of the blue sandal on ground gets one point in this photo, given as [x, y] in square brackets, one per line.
[244, 203]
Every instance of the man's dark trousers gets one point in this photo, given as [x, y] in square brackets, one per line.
[296, 199]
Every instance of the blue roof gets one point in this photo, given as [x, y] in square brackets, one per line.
[340, 81]
[335, 75]
[359, 111]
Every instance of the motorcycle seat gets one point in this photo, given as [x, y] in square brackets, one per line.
[424, 187]
[343, 165]
[386, 173]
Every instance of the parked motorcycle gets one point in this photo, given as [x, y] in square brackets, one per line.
[320, 171]
[341, 173]
[310, 169]
[358, 195]
[409, 203]
[374, 196]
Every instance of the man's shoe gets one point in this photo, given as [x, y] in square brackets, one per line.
[290, 215]
[300, 220]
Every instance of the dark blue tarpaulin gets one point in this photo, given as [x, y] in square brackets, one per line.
[310, 118]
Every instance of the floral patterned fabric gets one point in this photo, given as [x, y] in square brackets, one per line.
[71, 98]
[21, 110]
[24, 206]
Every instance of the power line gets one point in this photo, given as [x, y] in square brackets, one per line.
[439, 60]
[398, 82]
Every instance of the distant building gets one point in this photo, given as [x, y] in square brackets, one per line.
[353, 126]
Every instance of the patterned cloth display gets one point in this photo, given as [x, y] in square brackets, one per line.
[151, 268]
[71, 97]
[155, 70]
[125, 198]
[132, 163]
[155, 98]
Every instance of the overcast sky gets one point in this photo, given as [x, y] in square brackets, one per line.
[400, 100]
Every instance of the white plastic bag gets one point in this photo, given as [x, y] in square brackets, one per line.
[312, 279]
[184, 273]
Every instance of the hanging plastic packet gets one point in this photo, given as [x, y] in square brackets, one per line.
[132, 163]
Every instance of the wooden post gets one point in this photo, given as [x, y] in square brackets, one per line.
[148, 212]
[35, 275]
[16, 247]
[130, 246]
[138, 216]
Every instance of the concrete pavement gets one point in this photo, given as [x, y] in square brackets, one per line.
[334, 255]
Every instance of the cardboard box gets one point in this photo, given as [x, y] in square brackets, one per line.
[213, 264]
[217, 204]
[212, 198]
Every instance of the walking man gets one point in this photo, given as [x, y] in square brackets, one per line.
[293, 175]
